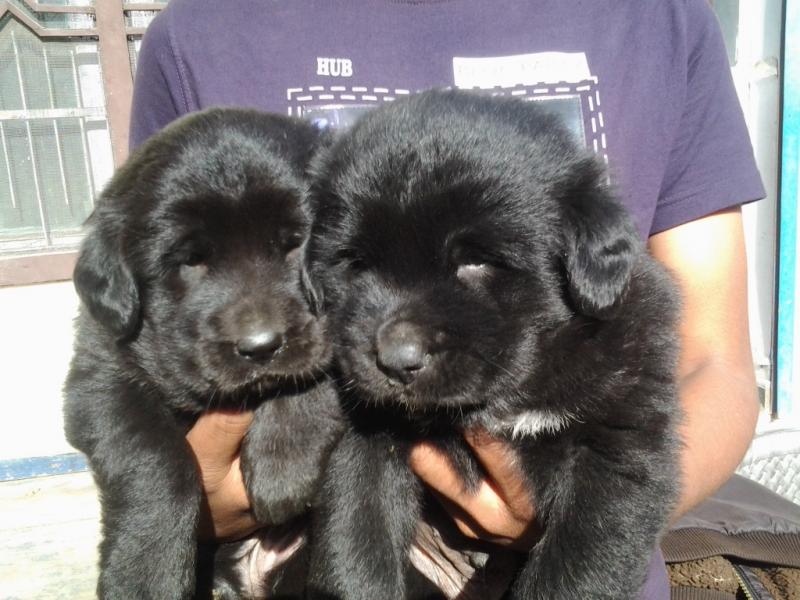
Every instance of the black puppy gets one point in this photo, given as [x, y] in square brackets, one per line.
[476, 271]
[191, 301]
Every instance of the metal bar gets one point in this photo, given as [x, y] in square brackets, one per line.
[8, 166]
[786, 334]
[115, 67]
[44, 32]
[81, 121]
[40, 203]
[57, 8]
[128, 6]
[37, 27]
[34, 113]
[56, 131]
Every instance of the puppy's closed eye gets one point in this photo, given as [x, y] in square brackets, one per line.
[194, 258]
[193, 267]
[472, 266]
[293, 240]
[189, 251]
[474, 273]
[290, 239]
[351, 260]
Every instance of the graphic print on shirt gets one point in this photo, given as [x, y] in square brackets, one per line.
[560, 81]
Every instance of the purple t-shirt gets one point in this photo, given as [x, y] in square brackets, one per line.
[645, 84]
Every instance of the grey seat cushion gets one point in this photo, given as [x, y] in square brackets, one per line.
[773, 460]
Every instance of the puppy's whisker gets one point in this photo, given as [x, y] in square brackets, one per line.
[493, 363]
[511, 388]
[211, 398]
[347, 385]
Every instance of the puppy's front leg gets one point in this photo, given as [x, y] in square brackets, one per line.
[149, 493]
[286, 450]
[602, 515]
[363, 530]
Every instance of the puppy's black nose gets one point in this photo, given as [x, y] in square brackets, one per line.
[259, 345]
[402, 350]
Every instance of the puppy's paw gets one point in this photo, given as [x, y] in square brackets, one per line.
[278, 490]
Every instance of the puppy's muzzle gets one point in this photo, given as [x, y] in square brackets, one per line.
[403, 350]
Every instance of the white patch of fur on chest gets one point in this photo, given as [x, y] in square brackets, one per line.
[531, 423]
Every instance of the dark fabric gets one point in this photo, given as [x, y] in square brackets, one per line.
[774, 549]
[743, 519]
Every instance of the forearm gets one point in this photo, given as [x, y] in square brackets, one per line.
[715, 372]
[720, 406]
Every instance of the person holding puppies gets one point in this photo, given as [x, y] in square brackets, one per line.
[645, 85]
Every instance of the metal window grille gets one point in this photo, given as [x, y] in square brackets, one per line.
[54, 143]
[66, 69]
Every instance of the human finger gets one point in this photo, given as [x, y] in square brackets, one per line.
[216, 439]
[499, 463]
[481, 513]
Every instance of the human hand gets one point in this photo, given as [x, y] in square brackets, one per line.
[501, 511]
[216, 439]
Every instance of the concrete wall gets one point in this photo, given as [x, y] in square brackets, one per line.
[35, 347]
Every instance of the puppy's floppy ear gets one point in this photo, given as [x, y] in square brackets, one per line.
[600, 245]
[105, 283]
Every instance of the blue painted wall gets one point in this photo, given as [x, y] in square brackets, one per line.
[25, 468]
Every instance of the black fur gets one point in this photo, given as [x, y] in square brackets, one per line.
[474, 269]
[192, 300]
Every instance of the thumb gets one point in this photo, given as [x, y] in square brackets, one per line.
[217, 436]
